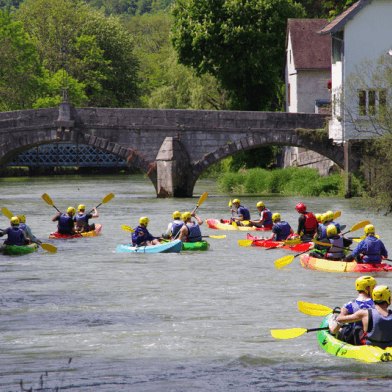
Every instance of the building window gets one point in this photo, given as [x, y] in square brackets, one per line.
[371, 101]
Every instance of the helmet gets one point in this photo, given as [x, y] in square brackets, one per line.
[369, 229]
[329, 215]
[364, 281]
[144, 221]
[14, 220]
[318, 217]
[260, 204]
[186, 216]
[275, 216]
[22, 218]
[236, 201]
[81, 207]
[381, 294]
[331, 230]
[71, 210]
[300, 207]
[176, 214]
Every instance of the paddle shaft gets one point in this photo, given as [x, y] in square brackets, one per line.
[317, 329]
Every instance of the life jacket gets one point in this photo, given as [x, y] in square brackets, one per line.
[194, 232]
[22, 226]
[81, 220]
[64, 225]
[352, 307]
[372, 250]
[137, 240]
[244, 212]
[15, 236]
[310, 224]
[336, 251]
[283, 229]
[267, 221]
[381, 332]
[322, 232]
[176, 227]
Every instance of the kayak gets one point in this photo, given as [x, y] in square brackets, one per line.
[258, 241]
[201, 245]
[221, 224]
[340, 266]
[341, 349]
[93, 233]
[166, 247]
[13, 250]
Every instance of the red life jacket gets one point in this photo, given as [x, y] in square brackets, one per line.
[310, 223]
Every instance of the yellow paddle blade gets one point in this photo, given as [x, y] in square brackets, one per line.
[287, 333]
[337, 214]
[47, 199]
[321, 243]
[360, 225]
[234, 224]
[314, 309]
[293, 242]
[230, 203]
[48, 247]
[202, 198]
[280, 263]
[107, 198]
[7, 212]
[217, 237]
[245, 223]
[245, 242]
[363, 237]
[127, 228]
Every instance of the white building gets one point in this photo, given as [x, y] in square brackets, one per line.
[308, 71]
[362, 32]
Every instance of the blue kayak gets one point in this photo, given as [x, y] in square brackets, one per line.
[166, 247]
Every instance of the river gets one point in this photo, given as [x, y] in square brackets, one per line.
[89, 319]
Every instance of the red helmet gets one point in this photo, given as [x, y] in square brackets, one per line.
[301, 208]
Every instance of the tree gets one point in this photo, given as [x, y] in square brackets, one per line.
[240, 42]
[257, 157]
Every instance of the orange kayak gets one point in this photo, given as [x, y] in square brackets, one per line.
[257, 241]
[93, 233]
[221, 224]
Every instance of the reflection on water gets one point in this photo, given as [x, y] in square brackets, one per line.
[188, 321]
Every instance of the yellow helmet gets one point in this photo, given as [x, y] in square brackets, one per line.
[369, 229]
[381, 294]
[186, 216]
[14, 220]
[318, 217]
[237, 201]
[71, 210]
[81, 207]
[22, 218]
[329, 215]
[365, 281]
[331, 230]
[144, 221]
[260, 204]
[275, 216]
[176, 215]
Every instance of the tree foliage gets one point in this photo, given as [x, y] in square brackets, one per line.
[240, 42]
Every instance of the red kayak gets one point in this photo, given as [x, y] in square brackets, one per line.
[258, 241]
[93, 233]
[221, 224]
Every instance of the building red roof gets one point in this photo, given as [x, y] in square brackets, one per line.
[310, 50]
[336, 24]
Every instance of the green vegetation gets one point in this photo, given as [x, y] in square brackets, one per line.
[289, 181]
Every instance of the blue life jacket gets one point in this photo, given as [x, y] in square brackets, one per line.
[15, 236]
[81, 220]
[381, 333]
[137, 239]
[336, 251]
[372, 250]
[268, 221]
[22, 226]
[354, 306]
[282, 230]
[176, 227]
[64, 224]
[194, 232]
[322, 232]
[244, 212]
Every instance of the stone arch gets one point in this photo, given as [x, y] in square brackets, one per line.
[17, 145]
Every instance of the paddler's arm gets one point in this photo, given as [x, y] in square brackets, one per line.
[360, 315]
[95, 215]
[333, 324]
[57, 217]
[199, 220]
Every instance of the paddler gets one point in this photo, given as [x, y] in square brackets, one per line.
[280, 230]
[307, 223]
[16, 236]
[328, 220]
[377, 321]
[190, 232]
[26, 229]
[141, 236]
[352, 333]
[175, 226]
[369, 250]
[81, 219]
[242, 212]
[334, 252]
[265, 219]
[66, 221]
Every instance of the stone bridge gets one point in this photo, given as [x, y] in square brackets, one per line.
[173, 147]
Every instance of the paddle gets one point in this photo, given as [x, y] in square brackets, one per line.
[201, 200]
[104, 200]
[359, 239]
[7, 212]
[280, 263]
[337, 215]
[358, 226]
[127, 228]
[217, 237]
[315, 309]
[49, 201]
[293, 332]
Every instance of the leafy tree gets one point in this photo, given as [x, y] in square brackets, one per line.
[240, 42]
[257, 157]
[9, 5]
[20, 70]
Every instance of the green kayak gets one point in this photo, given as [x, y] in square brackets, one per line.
[201, 245]
[13, 250]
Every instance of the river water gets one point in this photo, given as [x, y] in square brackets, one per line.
[89, 319]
